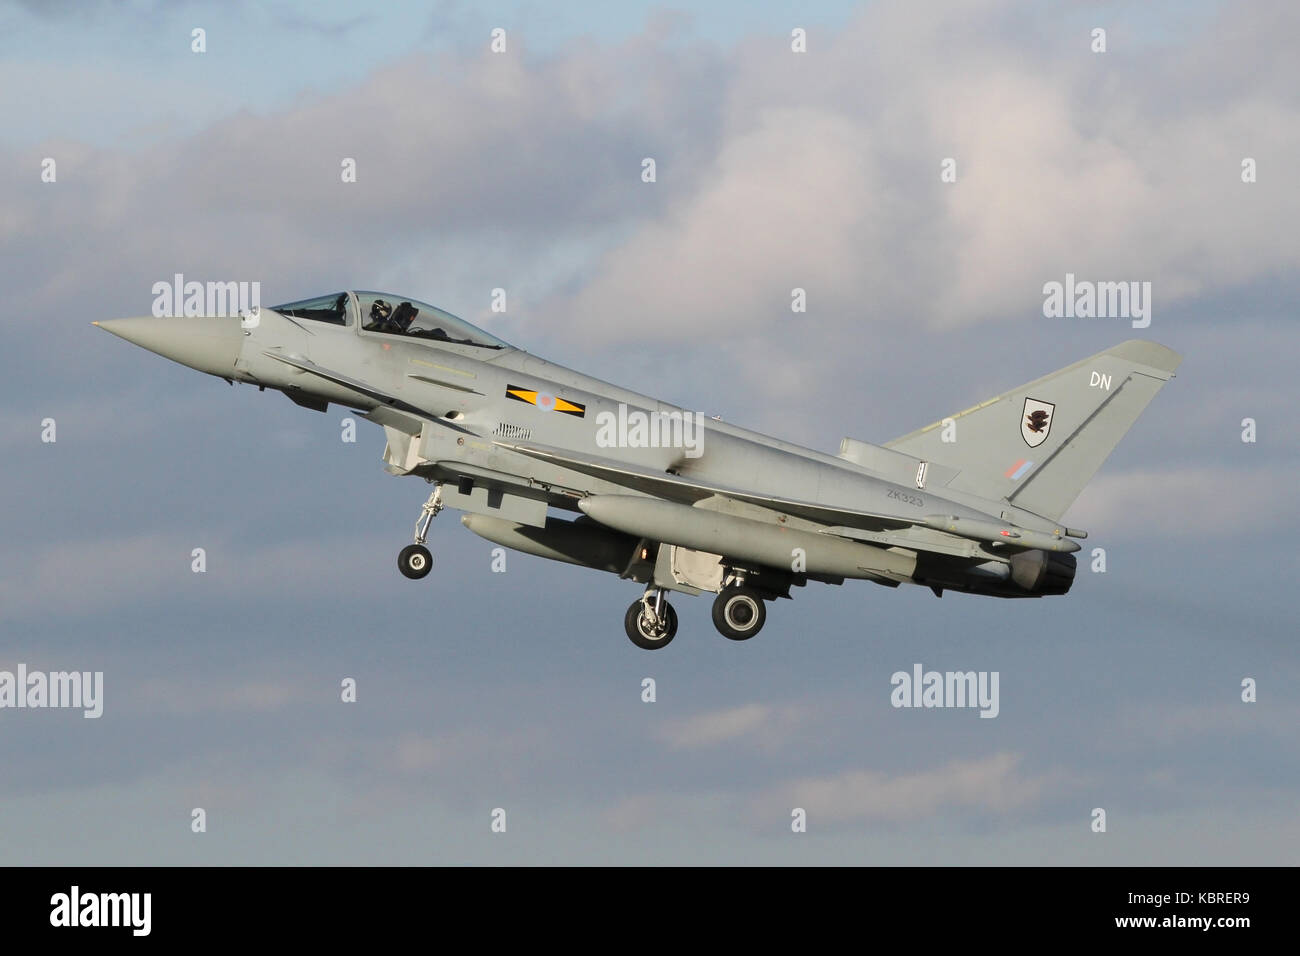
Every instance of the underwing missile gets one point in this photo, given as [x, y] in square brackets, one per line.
[996, 533]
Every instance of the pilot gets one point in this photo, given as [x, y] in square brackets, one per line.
[379, 316]
[402, 318]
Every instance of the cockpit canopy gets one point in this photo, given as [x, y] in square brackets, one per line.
[391, 315]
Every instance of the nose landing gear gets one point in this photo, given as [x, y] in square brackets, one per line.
[415, 560]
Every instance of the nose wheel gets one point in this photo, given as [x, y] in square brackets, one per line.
[651, 622]
[415, 560]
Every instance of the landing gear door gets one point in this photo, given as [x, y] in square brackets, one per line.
[683, 569]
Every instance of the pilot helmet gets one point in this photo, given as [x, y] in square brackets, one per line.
[380, 311]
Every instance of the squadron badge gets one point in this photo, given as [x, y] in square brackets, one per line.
[1036, 421]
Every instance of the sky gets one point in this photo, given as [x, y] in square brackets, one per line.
[522, 170]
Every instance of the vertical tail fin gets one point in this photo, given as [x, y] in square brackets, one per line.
[1037, 445]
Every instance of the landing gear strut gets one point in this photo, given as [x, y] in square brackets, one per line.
[739, 612]
[415, 560]
[651, 621]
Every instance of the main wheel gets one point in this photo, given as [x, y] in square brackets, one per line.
[414, 561]
[739, 613]
[641, 634]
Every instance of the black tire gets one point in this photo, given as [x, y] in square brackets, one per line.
[638, 635]
[739, 613]
[414, 561]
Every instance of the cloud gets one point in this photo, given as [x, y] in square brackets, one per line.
[992, 784]
[85, 575]
[168, 696]
[633, 813]
[751, 723]
[841, 194]
[780, 207]
[1200, 722]
[332, 29]
[1188, 501]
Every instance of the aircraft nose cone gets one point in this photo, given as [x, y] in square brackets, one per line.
[208, 344]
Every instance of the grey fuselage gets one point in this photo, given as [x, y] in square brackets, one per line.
[460, 413]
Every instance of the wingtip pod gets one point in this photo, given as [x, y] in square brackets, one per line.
[1148, 353]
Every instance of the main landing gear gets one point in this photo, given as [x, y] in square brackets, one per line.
[651, 622]
[739, 612]
[415, 560]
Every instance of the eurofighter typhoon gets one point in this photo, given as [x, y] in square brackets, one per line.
[554, 463]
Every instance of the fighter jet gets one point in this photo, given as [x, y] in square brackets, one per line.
[555, 463]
